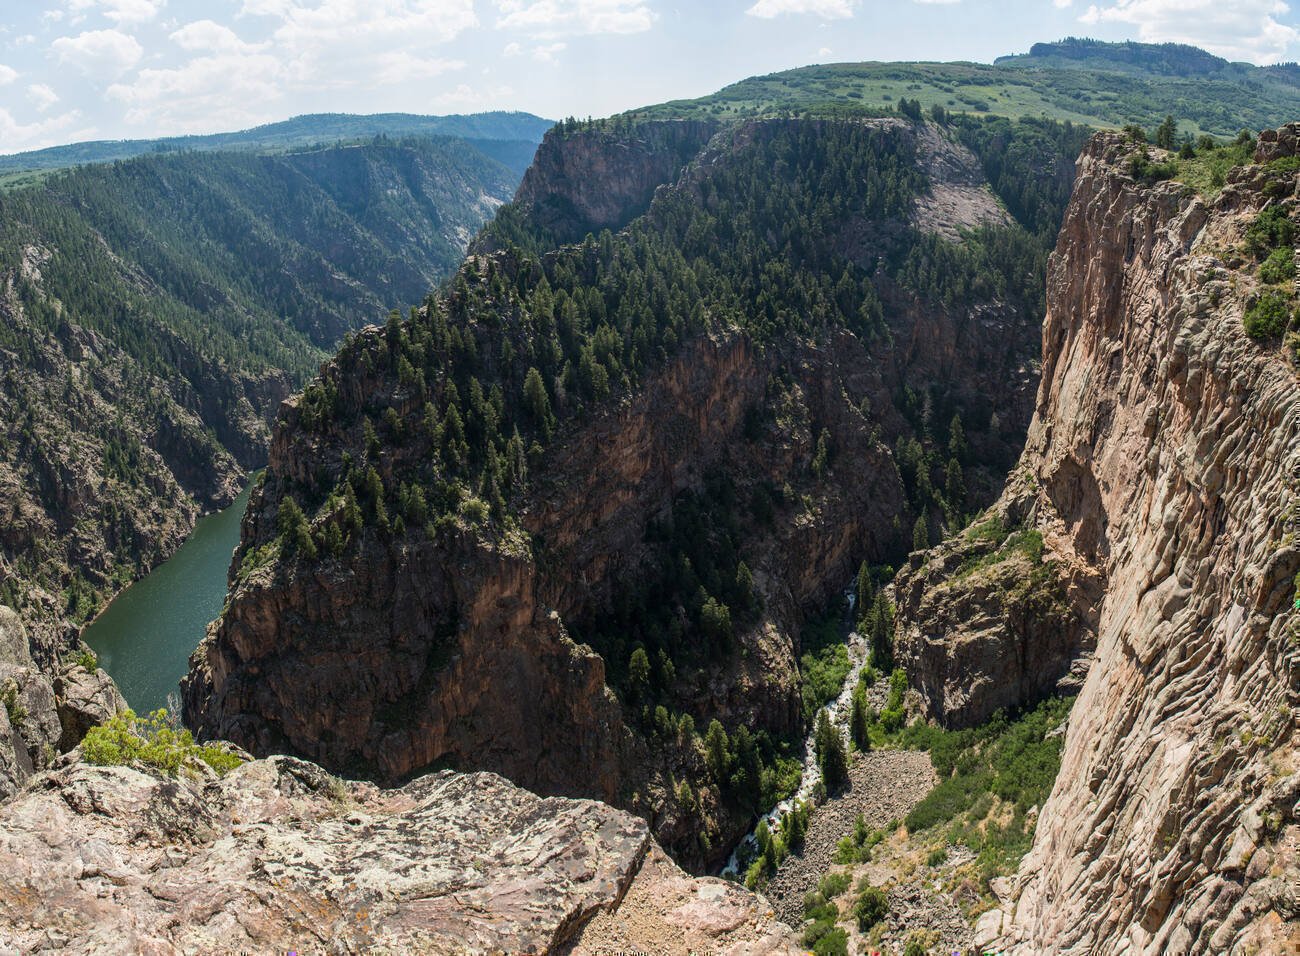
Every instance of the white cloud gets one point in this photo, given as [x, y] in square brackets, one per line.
[465, 96]
[555, 18]
[7, 75]
[224, 90]
[1242, 30]
[208, 36]
[402, 66]
[119, 11]
[41, 96]
[512, 49]
[1062, 4]
[18, 136]
[829, 9]
[312, 45]
[104, 54]
[403, 22]
[131, 11]
[548, 53]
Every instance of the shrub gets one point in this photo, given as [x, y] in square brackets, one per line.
[1278, 267]
[937, 856]
[1271, 229]
[833, 884]
[86, 658]
[153, 742]
[1268, 317]
[870, 908]
[834, 943]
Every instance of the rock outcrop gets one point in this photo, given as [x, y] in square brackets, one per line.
[602, 176]
[280, 856]
[42, 716]
[1164, 455]
[987, 621]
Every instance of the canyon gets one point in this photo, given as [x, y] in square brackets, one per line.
[154, 313]
[407, 638]
[541, 592]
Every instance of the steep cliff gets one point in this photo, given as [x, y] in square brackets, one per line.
[44, 714]
[582, 505]
[278, 856]
[1160, 475]
[585, 179]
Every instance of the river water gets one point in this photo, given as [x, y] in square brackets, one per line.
[145, 637]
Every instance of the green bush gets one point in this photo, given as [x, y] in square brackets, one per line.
[833, 884]
[871, 907]
[937, 856]
[1011, 760]
[1271, 229]
[834, 943]
[86, 659]
[1278, 267]
[1268, 317]
[153, 742]
[823, 666]
[821, 935]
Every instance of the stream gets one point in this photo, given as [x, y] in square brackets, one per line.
[838, 710]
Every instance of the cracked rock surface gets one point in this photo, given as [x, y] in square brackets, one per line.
[280, 855]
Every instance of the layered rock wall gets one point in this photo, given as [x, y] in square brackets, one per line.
[1164, 454]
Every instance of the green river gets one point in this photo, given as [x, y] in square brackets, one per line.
[145, 637]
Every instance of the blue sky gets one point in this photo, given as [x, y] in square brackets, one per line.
[102, 69]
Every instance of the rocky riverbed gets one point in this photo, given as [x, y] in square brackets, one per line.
[883, 786]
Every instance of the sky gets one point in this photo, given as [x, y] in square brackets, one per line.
[73, 70]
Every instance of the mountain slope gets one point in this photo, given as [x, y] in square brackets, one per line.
[158, 309]
[586, 502]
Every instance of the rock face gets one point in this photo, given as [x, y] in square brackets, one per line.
[601, 178]
[988, 622]
[40, 716]
[1165, 455]
[279, 855]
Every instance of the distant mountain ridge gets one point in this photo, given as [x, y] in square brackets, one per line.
[1166, 59]
[1088, 82]
[307, 130]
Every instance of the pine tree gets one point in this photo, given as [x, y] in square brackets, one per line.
[294, 529]
[538, 402]
[881, 630]
[638, 674]
[921, 533]
[831, 758]
[716, 749]
[859, 720]
[1167, 133]
[866, 591]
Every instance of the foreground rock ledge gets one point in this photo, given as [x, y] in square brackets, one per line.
[279, 855]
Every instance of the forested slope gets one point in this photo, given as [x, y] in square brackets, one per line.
[155, 312]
